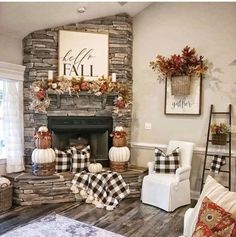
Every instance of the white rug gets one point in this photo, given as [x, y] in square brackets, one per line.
[59, 226]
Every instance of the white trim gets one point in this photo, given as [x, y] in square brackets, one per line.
[12, 71]
[197, 150]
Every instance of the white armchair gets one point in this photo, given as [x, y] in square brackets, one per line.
[169, 191]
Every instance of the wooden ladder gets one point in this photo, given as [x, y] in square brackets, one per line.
[207, 154]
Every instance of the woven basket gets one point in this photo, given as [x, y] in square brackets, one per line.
[180, 85]
[42, 143]
[119, 166]
[5, 197]
[119, 141]
[219, 139]
[45, 169]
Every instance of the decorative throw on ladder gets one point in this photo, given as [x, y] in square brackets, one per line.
[216, 163]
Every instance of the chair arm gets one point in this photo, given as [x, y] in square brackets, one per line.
[183, 173]
[151, 167]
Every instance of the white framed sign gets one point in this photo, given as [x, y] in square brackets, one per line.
[83, 54]
[184, 105]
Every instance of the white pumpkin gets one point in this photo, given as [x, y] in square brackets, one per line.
[119, 129]
[4, 182]
[119, 154]
[43, 129]
[42, 156]
[95, 168]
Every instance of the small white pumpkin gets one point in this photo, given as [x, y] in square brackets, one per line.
[4, 182]
[95, 168]
[119, 129]
[119, 154]
[43, 129]
[42, 156]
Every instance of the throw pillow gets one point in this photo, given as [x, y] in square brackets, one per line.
[218, 194]
[213, 220]
[80, 158]
[166, 163]
[63, 161]
[202, 230]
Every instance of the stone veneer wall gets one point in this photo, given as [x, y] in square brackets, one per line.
[41, 54]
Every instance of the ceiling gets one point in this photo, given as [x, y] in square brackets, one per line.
[19, 19]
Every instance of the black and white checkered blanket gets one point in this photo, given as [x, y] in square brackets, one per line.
[108, 187]
[216, 163]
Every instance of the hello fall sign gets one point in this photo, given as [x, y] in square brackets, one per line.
[83, 54]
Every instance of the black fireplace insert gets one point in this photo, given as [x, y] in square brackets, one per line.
[95, 129]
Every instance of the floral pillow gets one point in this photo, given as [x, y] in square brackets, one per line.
[214, 221]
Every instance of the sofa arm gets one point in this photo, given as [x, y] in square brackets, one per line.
[183, 173]
[150, 167]
[188, 223]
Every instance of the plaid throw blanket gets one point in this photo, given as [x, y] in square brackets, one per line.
[109, 187]
[216, 163]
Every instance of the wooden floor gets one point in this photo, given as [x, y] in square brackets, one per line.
[130, 218]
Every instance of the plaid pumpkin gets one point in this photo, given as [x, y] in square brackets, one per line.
[63, 161]
[80, 158]
[166, 163]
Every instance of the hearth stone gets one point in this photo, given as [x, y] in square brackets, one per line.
[36, 190]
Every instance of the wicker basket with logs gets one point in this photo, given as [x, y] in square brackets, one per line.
[5, 194]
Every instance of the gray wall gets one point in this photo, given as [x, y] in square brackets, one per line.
[165, 28]
[11, 49]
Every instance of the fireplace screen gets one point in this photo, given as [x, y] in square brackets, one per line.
[96, 130]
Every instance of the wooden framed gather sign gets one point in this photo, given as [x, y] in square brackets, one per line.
[184, 105]
[83, 54]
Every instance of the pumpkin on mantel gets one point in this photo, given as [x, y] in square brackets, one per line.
[42, 156]
[95, 167]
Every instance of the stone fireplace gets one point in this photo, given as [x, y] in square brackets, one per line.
[41, 54]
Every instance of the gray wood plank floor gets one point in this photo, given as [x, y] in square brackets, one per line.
[131, 218]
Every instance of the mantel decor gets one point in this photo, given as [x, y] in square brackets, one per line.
[75, 85]
[183, 78]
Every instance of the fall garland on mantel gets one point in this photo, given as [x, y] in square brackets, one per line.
[40, 101]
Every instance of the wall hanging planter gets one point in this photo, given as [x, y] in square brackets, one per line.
[183, 80]
[180, 85]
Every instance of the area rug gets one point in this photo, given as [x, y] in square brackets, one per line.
[59, 226]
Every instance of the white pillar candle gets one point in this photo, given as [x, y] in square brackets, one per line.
[50, 75]
[113, 77]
